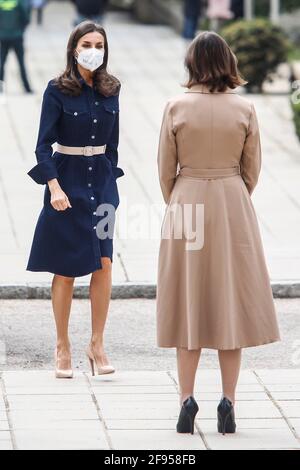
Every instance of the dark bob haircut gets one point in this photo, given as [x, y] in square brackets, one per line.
[210, 61]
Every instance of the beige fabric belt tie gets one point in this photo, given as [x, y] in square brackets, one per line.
[86, 151]
[210, 173]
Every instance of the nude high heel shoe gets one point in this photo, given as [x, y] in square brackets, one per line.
[101, 370]
[61, 373]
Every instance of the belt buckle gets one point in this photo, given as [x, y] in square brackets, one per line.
[88, 151]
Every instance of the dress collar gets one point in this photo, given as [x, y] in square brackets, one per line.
[201, 88]
[82, 80]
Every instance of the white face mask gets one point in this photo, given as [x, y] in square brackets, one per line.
[91, 58]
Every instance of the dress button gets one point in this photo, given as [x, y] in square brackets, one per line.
[89, 185]
[94, 213]
[96, 103]
[92, 198]
[93, 136]
[75, 114]
[95, 120]
[94, 227]
[90, 168]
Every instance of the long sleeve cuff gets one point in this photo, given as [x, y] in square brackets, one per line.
[43, 171]
[117, 171]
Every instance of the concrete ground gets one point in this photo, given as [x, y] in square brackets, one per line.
[139, 410]
[27, 337]
[148, 59]
[136, 408]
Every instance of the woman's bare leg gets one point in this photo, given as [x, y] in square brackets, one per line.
[187, 363]
[62, 293]
[100, 293]
[230, 364]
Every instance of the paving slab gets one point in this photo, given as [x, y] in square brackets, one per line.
[150, 76]
[139, 419]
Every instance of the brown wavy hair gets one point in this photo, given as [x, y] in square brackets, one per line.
[210, 61]
[68, 83]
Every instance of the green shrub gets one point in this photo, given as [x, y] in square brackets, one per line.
[294, 54]
[289, 5]
[296, 113]
[262, 8]
[259, 46]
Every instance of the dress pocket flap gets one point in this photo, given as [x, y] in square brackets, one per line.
[74, 112]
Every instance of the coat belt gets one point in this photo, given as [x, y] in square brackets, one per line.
[210, 173]
[86, 151]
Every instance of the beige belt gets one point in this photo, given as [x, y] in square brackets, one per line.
[86, 151]
[210, 173]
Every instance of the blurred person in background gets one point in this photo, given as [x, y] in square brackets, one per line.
[93, 10]
[192, 12]
[38, 5]
[14, 18]
[219, 9]
[237, 7]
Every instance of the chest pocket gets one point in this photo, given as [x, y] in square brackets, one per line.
[75, 113]
[111, 109]
[109, 114]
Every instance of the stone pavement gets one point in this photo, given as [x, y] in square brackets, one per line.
[139, 410]
[148, 60]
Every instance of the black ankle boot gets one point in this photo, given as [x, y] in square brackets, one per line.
[187, 415]
[226, 418]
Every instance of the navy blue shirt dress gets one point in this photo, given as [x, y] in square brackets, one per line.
[66, 242]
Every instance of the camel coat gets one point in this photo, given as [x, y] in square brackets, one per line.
[213, 286]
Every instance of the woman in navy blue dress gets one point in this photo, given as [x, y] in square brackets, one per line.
[74, 232]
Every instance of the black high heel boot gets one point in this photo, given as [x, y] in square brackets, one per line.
[187, 415]
[226, 418]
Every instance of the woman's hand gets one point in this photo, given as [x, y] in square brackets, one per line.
[59, 200]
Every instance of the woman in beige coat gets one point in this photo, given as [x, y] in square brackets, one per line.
[213, 288]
